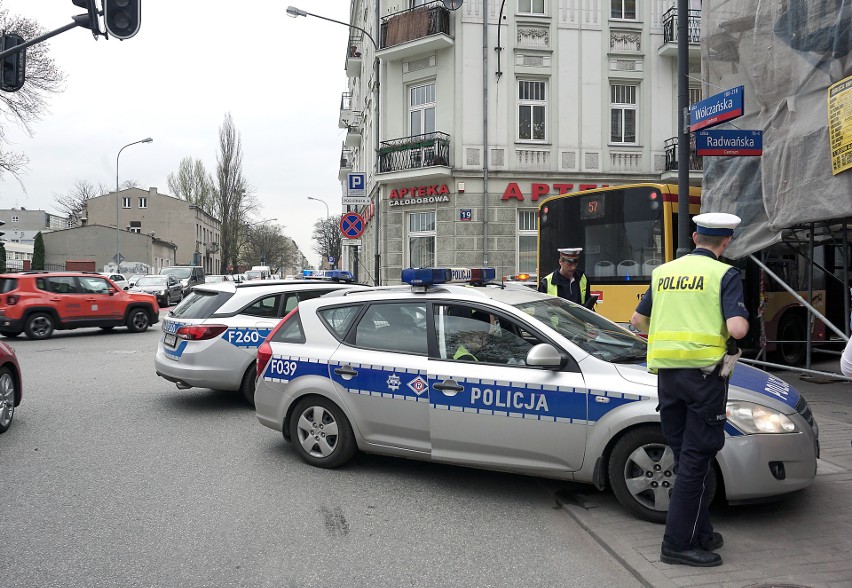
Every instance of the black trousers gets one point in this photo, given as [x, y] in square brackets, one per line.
[692, 414]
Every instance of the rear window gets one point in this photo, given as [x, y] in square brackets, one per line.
[200, 304]
[8, 284]
[291, 331]
[339, 318]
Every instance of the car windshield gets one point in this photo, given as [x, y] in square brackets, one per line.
[589, 331]
[200, 304]
[151, 281]
[181, 273]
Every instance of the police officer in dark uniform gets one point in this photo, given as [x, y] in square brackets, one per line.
[691, 312]
[568, 281]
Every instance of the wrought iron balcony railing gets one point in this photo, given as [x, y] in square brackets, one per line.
[414, 23]
[693, 26]
[419, 151]
[696, 162]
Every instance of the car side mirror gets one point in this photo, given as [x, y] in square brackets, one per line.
[545, 355]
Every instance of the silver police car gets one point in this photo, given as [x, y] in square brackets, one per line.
[210, 339]
[507, 378]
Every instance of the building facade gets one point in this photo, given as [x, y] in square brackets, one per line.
[486, 110]
[194, 233]
[21, 225]
[143, 253]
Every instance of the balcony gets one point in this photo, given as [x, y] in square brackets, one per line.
[424, 29]
[696, 163]
[353, 130]
[669, 46]
[354, 51]
[347, 113]
[347, 160]
[424, 156]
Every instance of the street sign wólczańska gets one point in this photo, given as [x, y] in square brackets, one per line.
[717, 109]
[351, 225]
[729, 143]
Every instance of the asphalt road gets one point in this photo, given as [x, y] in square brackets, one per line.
[110, 476]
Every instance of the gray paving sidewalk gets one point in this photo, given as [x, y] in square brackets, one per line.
[805, 539]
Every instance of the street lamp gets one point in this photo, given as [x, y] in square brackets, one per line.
[327, 216]
[295, 13]
[117, 196]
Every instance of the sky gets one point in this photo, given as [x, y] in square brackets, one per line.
[192, 62]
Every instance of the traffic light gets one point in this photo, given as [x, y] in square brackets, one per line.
[12, 76]
[122, 17]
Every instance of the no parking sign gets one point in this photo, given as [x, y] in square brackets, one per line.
[351, 225]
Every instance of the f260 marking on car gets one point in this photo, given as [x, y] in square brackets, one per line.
[246, 337]
[170, 326]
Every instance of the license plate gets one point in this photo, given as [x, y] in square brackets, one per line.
[170, 339]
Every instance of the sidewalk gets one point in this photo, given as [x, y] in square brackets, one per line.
[805, 539]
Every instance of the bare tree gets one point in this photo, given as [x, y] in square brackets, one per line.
[193, 184]
[233, 197]
[27, 105]
[72, 202]
[327, 236]
[267, 244]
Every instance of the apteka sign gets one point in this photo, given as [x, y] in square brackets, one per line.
[717, 109]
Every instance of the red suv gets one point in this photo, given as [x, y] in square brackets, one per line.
[37, 303]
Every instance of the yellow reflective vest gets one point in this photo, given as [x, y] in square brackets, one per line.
[687, 328]
[553, 290]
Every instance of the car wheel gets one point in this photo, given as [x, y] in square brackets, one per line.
[10, 334]
[642, 474]
[39, 326]
[138, 320]
[321, 434]
[248, 384]
[8, 394]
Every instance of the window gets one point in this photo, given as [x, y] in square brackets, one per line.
[125, 202]
[527, 240]
[421, 109]
[623, 9]
[397, 328]
[416, 3]
[136, 230]
[531, 6]
[143, 202]
[532, 108]
[694, 95]
[265, 307]
[623, 113]
[421, 239]
[291, 331]
[339, 319]
[94, 285]
[15, 218]
[467, 333]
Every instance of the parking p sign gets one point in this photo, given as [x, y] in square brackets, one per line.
[356, 189]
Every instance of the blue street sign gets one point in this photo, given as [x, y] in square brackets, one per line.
[729, 142]
[466, 214]
[351, 225]
[717, 109]
[356, 184]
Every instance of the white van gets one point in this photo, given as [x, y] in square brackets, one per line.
[265, 270]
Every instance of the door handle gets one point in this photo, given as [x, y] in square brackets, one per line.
[345, 371]
[449, 387]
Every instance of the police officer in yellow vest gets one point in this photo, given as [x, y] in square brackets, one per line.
[694, 305]
[568, 282]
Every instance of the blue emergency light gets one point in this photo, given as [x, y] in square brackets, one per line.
[342, 275]
[430, 276]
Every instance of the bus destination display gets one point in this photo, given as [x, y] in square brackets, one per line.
[592, 207]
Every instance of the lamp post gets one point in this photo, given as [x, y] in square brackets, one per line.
[327, 215]
[296, 12]
[117, 196]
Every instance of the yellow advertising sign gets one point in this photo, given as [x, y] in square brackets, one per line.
[840, 124]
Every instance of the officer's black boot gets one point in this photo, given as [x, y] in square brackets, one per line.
[690, 557]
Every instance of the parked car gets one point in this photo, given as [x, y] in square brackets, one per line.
[210, 339]
[11, 388]
[216, 278]
[131, 281]
[188, 275]
[500, 376]
[254, 275]
[37, 303]
[118, 279]
[166, 289]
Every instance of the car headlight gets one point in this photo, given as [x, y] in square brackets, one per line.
[163, 292]
[753, 418]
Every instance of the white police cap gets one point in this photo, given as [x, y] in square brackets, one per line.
[570, 252]
[720, 224]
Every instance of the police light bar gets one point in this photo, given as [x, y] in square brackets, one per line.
[327, 274]
[429, 276]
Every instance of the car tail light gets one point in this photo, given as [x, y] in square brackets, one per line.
[264, 352]
[200, 332]
[12, 299]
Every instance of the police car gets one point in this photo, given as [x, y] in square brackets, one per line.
[506, 378]
[210, 339]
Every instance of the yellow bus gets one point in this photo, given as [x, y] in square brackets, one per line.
[626, 231]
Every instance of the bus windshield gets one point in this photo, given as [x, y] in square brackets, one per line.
[619, 229]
